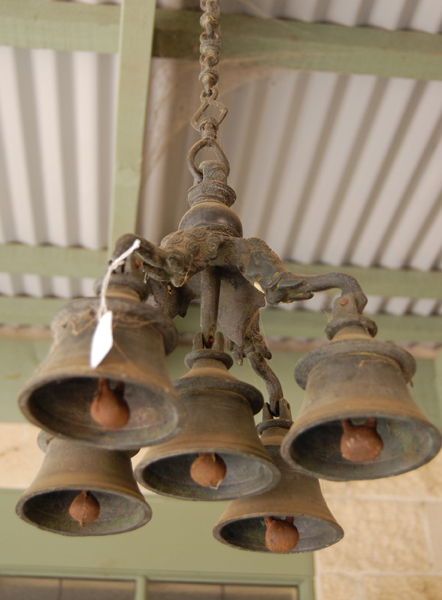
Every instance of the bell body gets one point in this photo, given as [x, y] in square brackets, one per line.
[58, 397]
[352, 381]
[296, 495]
[70, 468]
[220, 420]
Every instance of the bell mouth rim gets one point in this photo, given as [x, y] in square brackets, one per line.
[435, 439]
[307, 363]
[264, 461]
[117, 446]
[168, 395]
[331, 525]
[45, 438]
[141, 502]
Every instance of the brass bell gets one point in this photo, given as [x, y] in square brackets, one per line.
[100, 481]
[141, 406]
[295, 502]
[358, 419]
[218, 456]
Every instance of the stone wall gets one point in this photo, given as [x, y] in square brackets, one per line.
[392, 548]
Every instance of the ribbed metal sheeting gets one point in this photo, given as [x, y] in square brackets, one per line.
[56, 144]
[339, 169]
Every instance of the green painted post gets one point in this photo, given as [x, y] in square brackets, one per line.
[141, 589]
[135, 50]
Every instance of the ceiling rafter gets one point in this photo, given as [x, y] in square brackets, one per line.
[59, 25]
[26, 310]
[69, 26]
[52, 261]
[135, 53]
[381, 281]
[271, 42]
[307, 46]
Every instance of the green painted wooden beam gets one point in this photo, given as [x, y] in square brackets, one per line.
[379, 281]
[74, 262]
[50, 261]
[271, 42]
[135, 47]
[306, 324]
[307, 46]
[25, 310]
[59, 25]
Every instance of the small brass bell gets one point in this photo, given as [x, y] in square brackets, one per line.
[292, 517]
[218, 456]
[128, 401]
[358, 419]
[83, 491]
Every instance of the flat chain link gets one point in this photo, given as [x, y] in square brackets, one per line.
[207, 124]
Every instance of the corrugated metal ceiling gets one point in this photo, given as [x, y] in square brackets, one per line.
[339, 169]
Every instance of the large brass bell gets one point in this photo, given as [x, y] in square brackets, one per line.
[358, 420]
[59, 397]
[83, 491]
[219, 441]
[295, 509]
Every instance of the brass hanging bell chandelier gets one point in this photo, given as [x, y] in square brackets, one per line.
[105, 381]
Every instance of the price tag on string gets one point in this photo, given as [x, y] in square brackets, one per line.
[102, 338]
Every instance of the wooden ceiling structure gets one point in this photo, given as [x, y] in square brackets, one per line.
[137, 31]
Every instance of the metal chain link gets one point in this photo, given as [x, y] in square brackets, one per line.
[210, 41]
[207, 125]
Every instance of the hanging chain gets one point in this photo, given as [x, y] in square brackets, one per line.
[210, 42]
[207, 124]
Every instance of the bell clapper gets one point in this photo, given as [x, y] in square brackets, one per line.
[281, 534]
[208, 469]
[109, 408]
[84, 508]
[360, 443]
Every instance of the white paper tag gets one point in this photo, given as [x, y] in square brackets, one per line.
[102, 340]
